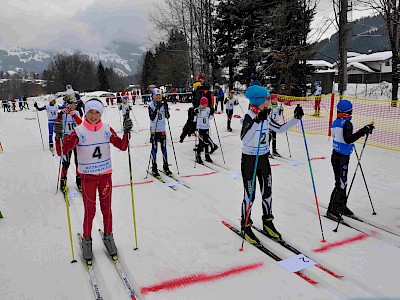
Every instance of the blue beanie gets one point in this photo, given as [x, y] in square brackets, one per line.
[344, 106]
[257, 95]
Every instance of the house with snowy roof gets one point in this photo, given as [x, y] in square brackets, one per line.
[379, 62]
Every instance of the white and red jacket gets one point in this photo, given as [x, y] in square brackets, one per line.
[93, 146]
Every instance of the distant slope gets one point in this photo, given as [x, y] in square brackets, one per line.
[123, 55]
[366, 34]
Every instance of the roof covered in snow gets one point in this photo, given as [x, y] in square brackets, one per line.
[353, 54]
[360, 66]
[319, 63]
[378, 56]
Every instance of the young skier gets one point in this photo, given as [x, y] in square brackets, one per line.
[158, 113]
[203, 115]
[257, 116]
[92, 140]
[125, 107]
[25, 100]
[52, 112]
[317, 98]
[275, 115]
[69, 116]
[343, 139]
[230, 102]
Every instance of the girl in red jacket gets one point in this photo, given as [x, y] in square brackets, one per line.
[92, 140]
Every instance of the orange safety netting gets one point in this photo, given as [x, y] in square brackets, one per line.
[385, 114]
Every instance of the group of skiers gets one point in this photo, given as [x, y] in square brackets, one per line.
[10, 105]
[89, 138]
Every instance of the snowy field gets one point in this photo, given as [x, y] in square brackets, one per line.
[180, 233]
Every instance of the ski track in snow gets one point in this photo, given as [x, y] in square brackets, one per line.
[180, 232]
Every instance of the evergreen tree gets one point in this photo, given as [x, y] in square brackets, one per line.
[289, 51]
[226, 27]
[148, 71]
[172, 60]
[103, 81]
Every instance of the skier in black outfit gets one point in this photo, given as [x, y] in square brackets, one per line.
[343, 139]
[257, 116]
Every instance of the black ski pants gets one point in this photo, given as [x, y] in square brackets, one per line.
[340, 165]
[264, 176]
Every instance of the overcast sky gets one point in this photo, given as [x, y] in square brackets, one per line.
[87, 24]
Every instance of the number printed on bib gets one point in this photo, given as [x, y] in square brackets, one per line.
[97, 153]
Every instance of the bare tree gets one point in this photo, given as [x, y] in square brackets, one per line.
[194, 18]
[390, 12]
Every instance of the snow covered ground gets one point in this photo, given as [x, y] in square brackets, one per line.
[180, 232]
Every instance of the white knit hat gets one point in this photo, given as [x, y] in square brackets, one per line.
[95, 104]
[50, 98]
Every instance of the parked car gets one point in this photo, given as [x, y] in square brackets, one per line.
[101, 95]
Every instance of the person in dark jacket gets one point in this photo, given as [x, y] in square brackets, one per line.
[343, 144]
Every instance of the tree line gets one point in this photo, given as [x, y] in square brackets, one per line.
[266, 38]
[82, 73]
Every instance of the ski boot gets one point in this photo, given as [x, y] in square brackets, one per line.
[275, 153]
[110, 244]
[214, 149]
[208, 158]
[87, 248]
[167, 171]
[334, 215]
[154, 171]
[269, 228]
[347, 212]
[229, 129]
[78, 183]
[249, 234]
[198, 159]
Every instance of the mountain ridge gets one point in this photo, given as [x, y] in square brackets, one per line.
[122, 55]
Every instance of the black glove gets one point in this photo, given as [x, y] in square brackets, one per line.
[165, 105]
[159, 104]
[127, 125]
[262, 115]
[196, 110]
[298, 112]
[35, 105]
[367, 129]
[58, 129]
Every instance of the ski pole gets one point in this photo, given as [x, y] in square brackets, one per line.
[287, 138]
[222, 152]
[152, 145]
[365, 182]
[352, 180]
[312, 178]
[132, 193]
[241, 108]
[66, 202]
[62, 153]
[195, 147]
[40, 129]
[173, 148]
[137, 124]
[253, 181]
[69, 227]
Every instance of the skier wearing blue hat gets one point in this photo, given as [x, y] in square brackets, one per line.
[255, 137]
[343, 143]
